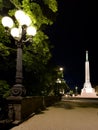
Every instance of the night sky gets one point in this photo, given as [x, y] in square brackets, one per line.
[75, 31]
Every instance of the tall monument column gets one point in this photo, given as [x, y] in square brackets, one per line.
[87, 90]
[87, 70]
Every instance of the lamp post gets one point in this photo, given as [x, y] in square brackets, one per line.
[19, 34]
[58, 81]
[76, 90]
[61, 71]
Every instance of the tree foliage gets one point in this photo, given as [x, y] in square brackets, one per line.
[36, 55]
[4, 89]
[36, 12]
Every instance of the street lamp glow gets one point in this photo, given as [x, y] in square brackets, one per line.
[27, 20]
[58, 80]
[61, 69]
[19, 14]
[7, 22]
[15, 32]
[31, 31]
[22, 18]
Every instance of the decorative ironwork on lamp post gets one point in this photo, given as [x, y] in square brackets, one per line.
[19, 34]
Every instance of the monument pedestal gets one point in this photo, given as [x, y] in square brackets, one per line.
[88, 91]
[85, 93]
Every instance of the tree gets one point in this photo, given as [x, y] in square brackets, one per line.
[60, 86]
[36, 55]
[4, 89]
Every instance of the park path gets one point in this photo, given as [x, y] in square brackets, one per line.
[62, 116]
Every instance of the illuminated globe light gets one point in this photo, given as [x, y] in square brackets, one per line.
[31, 31]
[58, 80]
[19, 14]
[22, 18]
[61, 69]
[27, 21]
[7, 22]
[15, 32]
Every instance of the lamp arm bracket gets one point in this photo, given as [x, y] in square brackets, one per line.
[29, 39]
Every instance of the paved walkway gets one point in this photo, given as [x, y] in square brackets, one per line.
[63, 116]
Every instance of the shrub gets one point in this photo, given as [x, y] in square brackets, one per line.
[4, 89]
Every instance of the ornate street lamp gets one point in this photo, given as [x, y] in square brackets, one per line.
[19, 34]
[61, 69]
[58, 82]
[76, 90]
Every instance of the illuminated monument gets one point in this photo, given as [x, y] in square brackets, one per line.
[87, 90]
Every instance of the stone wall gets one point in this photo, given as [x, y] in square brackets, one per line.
[21, 108]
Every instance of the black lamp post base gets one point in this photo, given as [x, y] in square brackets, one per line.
[18, 90]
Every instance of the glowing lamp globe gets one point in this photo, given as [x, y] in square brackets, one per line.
[7, 22]
[15, 32]
[19, 14]
[31, 31]
[22, 18]
[61, 69]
